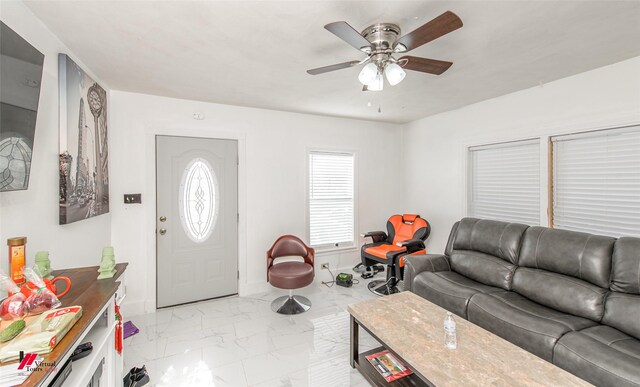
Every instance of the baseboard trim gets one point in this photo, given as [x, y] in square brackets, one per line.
[134, 308]
[263, 286]
[253, 288]
[137, 307]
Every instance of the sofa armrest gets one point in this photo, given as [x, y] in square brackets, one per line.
[416, 264]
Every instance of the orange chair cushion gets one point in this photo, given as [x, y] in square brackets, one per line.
[410, 217]
[382, 250]
[416, 253]
[404, 231]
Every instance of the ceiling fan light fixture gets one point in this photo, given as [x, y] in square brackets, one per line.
[394, 73]
[400, 47]
[368, 74]
[377, 84]
[381, 41]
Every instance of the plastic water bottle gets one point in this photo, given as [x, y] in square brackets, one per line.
[450, 332]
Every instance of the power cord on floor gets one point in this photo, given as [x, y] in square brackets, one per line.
[333, 279]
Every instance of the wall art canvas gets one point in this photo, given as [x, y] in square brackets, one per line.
[84, 167]
[20, 76]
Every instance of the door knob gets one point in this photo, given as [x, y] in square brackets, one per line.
[163, 218]
[163, 231]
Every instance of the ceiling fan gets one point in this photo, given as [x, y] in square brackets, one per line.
[380, 42]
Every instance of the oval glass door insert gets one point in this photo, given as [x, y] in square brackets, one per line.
[198, 200]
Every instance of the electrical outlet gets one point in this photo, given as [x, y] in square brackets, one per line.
[325, 266]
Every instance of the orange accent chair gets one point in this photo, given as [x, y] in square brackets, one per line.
[405, 236]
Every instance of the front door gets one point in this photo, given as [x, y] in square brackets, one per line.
[196, 219]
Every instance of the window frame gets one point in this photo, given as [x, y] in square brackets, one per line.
[545, 135]
[331, 248]
[497, 142]
[602, 131]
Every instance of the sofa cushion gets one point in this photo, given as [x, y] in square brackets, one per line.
[485, 250]
[625, 276]
[622, 311]
[561, 292]
[452, 236]
[576, 254]
[484, 268]
[450, 290]
[622, 308]
[531, 326]
[416, 264]
[491, 237]
[601, 355]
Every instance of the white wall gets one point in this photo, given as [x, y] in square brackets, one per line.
[601, 98]
[14, 90]
[273, 148]
[272, 185]
[34, 212]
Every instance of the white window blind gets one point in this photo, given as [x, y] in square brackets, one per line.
[596, 182]
[504, 182]
[331, 200]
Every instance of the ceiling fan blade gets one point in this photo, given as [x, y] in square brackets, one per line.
[339, 66]
[424, 65]
[344, 31]
[429, 31]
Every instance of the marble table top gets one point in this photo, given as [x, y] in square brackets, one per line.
[414, 328]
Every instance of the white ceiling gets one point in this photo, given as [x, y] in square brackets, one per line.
[255, 53]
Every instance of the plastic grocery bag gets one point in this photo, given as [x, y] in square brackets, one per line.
[42, 299]
[12, 307]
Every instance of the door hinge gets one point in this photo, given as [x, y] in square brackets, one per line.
[238, 274]
[238, 218]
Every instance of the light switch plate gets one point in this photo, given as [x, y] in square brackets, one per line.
[133, 198]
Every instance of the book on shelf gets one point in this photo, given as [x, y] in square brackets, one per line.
[388, 366]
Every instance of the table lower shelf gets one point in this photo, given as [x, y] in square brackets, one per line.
[374, 377]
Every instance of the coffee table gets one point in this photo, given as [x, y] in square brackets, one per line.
[412, 329]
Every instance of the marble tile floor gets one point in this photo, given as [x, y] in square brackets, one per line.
[239, 341]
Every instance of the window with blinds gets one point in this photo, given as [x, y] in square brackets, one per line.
[596, 182]
[331, 200]
[504, 182]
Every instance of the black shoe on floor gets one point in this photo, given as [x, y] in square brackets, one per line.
[136, 377]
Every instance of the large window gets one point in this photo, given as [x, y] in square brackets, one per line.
[596, 182]
[331, 200]
[504, 182]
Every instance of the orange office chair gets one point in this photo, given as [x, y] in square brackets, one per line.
[405, 236]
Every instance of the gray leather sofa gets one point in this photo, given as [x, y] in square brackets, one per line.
[571, 298]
